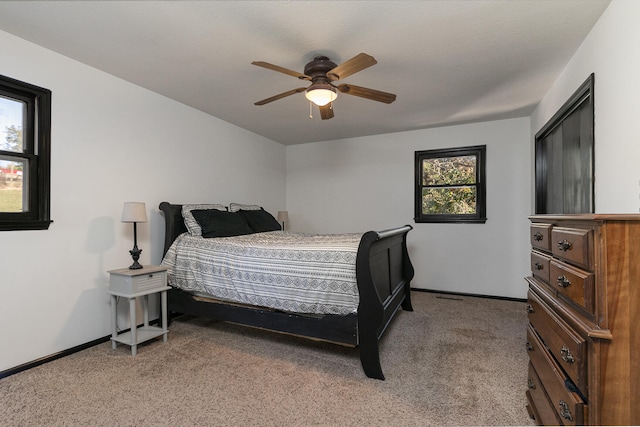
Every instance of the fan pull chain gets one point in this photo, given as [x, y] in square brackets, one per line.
[310, 110]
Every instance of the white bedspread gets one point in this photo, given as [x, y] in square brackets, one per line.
[294, 272]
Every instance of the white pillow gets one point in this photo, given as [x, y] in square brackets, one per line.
[235, 207]
[190, 222]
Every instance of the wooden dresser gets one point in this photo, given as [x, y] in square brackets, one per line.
[583, 337]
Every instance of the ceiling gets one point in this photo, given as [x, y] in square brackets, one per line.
[448, 62]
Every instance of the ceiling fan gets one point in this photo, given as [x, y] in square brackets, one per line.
[321, 72]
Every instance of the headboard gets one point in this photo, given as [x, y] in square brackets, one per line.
[173, 224]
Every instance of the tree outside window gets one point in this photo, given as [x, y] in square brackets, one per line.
[450, 185]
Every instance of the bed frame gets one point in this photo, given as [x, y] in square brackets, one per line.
[383, 272]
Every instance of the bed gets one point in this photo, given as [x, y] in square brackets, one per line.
[383, 272]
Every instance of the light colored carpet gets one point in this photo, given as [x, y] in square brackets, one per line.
[458, 361]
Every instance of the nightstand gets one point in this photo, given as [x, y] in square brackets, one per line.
[131, 284]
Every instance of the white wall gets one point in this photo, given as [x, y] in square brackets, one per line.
[367, 183]
[114, 142]
[611, 51]
[111, 142]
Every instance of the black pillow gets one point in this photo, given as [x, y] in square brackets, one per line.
[260, 221]
[215, 223]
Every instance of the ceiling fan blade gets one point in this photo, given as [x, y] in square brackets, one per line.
[326, 111]
[353, 65]
[281, 95]
[364, 92]
[281, 70]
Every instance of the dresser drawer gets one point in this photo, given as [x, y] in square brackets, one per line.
[575, 284]
[573, 245]
[568, 348]
[540, 265]
[544, 411]
[540, 235]
[568, 405]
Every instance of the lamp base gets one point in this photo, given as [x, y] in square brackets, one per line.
[135, 254]
[135, 266]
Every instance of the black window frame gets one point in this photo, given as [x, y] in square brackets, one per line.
[479, 151]
[36, 152]
[565, 156]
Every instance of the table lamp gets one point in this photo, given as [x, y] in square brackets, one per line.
[283, 216]
[134, 212]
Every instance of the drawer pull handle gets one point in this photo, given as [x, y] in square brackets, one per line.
[563, 282]
[530, 309]
[564, 411]
[537, 266]
[566, 355]
[564, 245]
[529, 346]
[150, 275]
[538, 236]
[531, 384]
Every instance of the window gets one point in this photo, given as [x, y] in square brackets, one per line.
[25, 156]
[565, 157]
[450, 185]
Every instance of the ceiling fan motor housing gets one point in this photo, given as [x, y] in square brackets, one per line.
[318, 68]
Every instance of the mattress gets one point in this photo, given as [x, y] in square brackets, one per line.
[281, 270]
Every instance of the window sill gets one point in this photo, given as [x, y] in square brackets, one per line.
[451, 220]
[25, 225]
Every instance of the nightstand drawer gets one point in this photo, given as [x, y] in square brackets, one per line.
[133, 281]
[148, 281]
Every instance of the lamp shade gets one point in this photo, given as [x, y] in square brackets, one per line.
[283, 216]
[134, 212]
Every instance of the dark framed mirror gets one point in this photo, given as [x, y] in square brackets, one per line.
[564, 157]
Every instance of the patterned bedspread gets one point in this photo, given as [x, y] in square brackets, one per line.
[294, 272]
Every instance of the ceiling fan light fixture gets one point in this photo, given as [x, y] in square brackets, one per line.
[321, 94]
